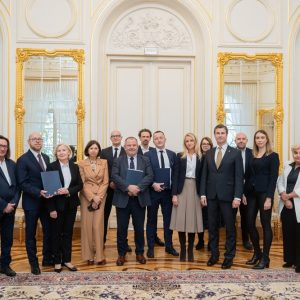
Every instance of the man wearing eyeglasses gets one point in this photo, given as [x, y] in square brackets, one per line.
[9, 199]
[29, 168]
[110, 154]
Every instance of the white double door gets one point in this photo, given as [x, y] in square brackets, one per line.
[158, 95]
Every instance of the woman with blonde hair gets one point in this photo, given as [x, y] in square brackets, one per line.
[94, 174]
[288, 186]
[186, 212]
[63, 207]
[260, 185]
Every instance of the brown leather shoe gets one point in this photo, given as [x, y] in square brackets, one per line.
[120, 261]
[90, 262]
[102, 262]
[141, 259]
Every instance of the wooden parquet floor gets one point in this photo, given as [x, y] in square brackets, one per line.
[162, 260]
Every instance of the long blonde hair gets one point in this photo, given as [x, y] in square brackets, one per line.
[268, 144]
[185, 150]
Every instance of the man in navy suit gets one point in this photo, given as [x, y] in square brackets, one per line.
[9, 199]
[241, 141]
[160, 158]
[131, 198]
[29, 168]
[221, 189]
[145, 137]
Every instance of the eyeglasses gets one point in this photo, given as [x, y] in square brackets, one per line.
[115, 136]
[3, 146]
[36, 139]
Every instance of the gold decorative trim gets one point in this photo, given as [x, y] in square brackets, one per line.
[23, 54]
[276, 60]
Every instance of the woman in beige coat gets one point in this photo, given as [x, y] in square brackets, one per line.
[94, 174]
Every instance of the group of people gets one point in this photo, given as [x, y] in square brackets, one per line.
[200, 188]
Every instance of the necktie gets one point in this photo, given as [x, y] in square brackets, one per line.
[131, 165]
[116, 153]
[219, 157]
[41, 162]
[162, 161]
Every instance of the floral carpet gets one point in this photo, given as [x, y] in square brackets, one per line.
[240, 284]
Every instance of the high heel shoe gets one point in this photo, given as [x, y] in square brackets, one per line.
[56, 269]
[72, 269]
[254, 260]
[263, 263]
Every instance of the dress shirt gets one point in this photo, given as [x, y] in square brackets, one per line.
[243, 151]
[134, 161]
[223, 149]
[191, 166]
[5, 171]
[65, 169]
[113, 150]
[144, 150]
[165, 155]
[36, 156]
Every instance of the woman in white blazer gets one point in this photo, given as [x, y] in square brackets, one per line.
[288, 186]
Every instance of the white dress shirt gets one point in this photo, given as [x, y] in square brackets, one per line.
[65, 169]
[223, 149]
[3, 166]
[165, 156]
[118, 152]
[36, 156]
[191, 166]
[134, 161]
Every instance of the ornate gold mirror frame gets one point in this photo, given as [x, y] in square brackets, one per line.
[23, 54]
[276, 60]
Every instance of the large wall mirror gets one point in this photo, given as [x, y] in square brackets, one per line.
[250, 95]
[50, 98]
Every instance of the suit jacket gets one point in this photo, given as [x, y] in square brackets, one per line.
[94, 183]
[264, 179]
[119, 172]
[141, 152]
[30, 180]
[179, 174]
[226, 182]
[9, 193]
[107, 154]
[281, 187]
[62, 202]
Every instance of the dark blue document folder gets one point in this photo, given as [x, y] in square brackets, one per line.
[51, 182]
[163, 175]
[134, 176]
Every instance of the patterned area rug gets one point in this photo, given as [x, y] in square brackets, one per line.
[241, 284]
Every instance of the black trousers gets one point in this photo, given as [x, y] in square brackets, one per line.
[255, 202]
[214, 207]
[137, 213]
[7, 232]
[291, 236]
[107, 209]
[244, 226]
[62, 233]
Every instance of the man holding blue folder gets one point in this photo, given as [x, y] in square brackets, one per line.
[132, 175]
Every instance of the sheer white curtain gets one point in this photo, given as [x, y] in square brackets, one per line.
[240, 100]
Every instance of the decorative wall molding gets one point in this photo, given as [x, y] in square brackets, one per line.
[7, 5]
[150, 27]
[293, 8]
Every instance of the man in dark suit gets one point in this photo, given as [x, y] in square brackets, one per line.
[111, 153]
[131, 198]
[145, 137]
[241, 141]
[29, 168]
[160, 158]
[9, 199]
[221, 188]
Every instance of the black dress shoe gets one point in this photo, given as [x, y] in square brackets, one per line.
[247, 245]
[297, 269]
[199, 246]
[159, 242]
[150, 253]
[254, 260]
[35, 270]
[128, 249]
[172, 251]
[8, 271]
[287, 265]
[263, 263]
[212, 260]
[227, 263]
[72, 269]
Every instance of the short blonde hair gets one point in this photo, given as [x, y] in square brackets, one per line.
[295, 147]
[65, 145]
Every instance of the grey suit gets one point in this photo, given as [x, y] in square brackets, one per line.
[127, 206]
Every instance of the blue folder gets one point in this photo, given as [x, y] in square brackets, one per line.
[51, 182]
[134, 176]
[163, 175]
